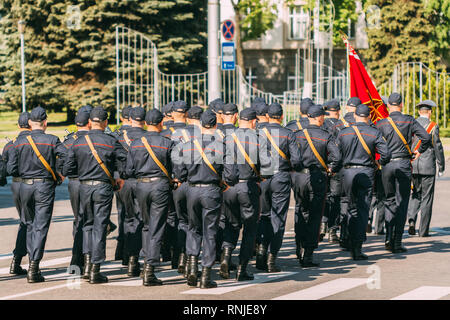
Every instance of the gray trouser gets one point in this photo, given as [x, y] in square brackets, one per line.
[96, 202]
[180, 202]
[153, 199]
[77, 232]
[422, 200]
[20, 249]
[37, 204]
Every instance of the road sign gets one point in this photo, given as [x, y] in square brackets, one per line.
[228, 30]
[228, 56]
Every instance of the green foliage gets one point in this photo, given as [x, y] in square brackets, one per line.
[438, 14]
[70, 54]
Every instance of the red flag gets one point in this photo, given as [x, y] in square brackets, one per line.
[361, 86]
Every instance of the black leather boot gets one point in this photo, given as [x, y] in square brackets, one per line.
[150, 278]
[134, 269]
[323, 230]
[298, 250]
[357, 253]
[369, 227]
[271, 266]
[95, 276]
[332, 235]
[398, 248]
[87, 266]
[225, 260]
[206, 282]
[34, 274]
[182, 259]
[307, 261]
[412, 228]
[261, 257]
[15, 267]
[242, 274]
[118, 255]
[389, 239]
[192, 277]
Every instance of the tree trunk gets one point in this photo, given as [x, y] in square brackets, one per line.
[238, 41]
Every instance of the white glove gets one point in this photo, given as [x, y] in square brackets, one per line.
[440, 174]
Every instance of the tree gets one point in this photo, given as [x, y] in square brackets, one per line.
[437, 13]
[70, 56]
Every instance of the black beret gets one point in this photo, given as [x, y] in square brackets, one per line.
[208, 119]
[353, 102]
[195, 113]
[275, 111]
[332, 105]
[87, 108]
[217, 105]
[395, 99]
[230, 108]
[362, 110]
[427, 104]
[180, 106]
[23, 120]
[316, 110]
[305, 104]
[98, 114]
[153, 117]
[248, 114]
[261, 108]
[126, 112]
[82, 118]
[38, 114]
[137, 114]
[167, 108]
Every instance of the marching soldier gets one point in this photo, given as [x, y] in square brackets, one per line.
[358, 144]
[34, 160]
[261, 114]
[301, 123]
[149, 162]
[349, 118]
[180, 136]
[398, 130]
[82, 123]
[424, 172]
[201, 164]
[121, 208]
[320, 157]
[20, 249]
[279, 154]
[241, 201]
[167, 112]
[330, 220]
[132, 223]
[170, 249]
[94, 158]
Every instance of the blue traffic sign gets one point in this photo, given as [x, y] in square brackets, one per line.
[228, 30]
[228, 56]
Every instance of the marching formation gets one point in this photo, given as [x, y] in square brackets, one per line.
[187, 180]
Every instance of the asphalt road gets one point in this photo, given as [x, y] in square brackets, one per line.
[421, 273]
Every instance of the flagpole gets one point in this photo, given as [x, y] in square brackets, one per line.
[345, 39]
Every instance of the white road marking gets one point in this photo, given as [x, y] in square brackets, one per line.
[233, 285]
[33, 292]
[324, 289]
[47, 263]
[424, 293]
[6, 256]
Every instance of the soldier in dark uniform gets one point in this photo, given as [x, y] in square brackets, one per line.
[167, 112]
[95, 169]
[279, 154]
[352, 103]
[20, 249]
[170, 249]
[320, 157]
[397, 173]
[330, 220]
[424, 172]
[302, 122]
[241, 201]
[132, 223]
[34, 160]
[359, 173]
[153, 188]
[180, 136]
[82, 123]
[201, 164]
[217, 107]
[121, 208]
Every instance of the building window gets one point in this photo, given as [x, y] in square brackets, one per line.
[250, 76]
[298, 23]
[351, 31]
[293, 81]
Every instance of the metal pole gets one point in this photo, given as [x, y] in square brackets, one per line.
[156, 82]
[213, 50]
[22, 60]
[117, 77]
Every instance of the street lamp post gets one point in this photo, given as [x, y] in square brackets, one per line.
[22, 60]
